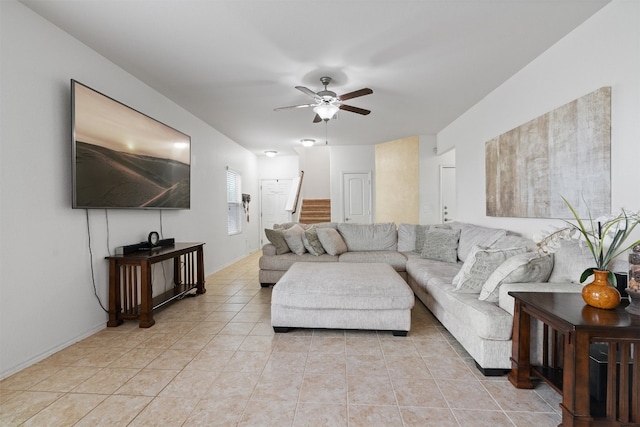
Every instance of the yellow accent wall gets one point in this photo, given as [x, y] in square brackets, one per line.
[397, 180]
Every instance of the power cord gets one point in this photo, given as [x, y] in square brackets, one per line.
[106, 217]
[93, 277]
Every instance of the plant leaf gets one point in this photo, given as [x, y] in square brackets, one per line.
[612, 279]
[585, 274]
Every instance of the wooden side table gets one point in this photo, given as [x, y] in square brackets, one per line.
[569, 327]
[130, 284]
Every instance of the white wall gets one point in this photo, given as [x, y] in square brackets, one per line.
[344, 159]
[315, 163]
[46, 292]
[604, 51]
[430, 163]
[278, 167]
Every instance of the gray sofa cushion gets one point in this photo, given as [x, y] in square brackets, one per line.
[311, 242]
[423, 270]
[521, 268]
[488, 321]
[421, 237]
[332, 241]
[441, 244]
[369, 237]
[474, 235]
[397, 260]
[479, 265]
[406, 237]
[342, 286]
[293, 237]
[276, 238]
[569, 261]
[285, 261]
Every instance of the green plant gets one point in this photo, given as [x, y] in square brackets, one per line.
[604, 237]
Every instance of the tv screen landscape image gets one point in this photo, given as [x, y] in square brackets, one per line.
[125, 159]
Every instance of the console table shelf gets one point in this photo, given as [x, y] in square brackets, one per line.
[130, 281]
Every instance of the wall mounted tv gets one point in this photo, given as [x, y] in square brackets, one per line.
[125, 159]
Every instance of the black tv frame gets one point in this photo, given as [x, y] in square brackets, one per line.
[124, 159]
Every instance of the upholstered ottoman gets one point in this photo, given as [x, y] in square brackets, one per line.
[342, 296]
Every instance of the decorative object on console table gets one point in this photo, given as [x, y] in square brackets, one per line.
[153, 238]
[621, 283]
[634, 301]
[599, 293]
[605, 239]
[633, 289]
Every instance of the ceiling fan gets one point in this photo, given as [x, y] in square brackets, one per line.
[327, 103]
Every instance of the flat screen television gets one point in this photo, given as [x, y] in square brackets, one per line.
[125, 159]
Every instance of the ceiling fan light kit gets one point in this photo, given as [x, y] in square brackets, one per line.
[327, 103]
[326, 111]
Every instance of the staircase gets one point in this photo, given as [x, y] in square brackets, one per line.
[314, 211]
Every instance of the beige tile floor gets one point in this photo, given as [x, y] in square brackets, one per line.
[214, 360]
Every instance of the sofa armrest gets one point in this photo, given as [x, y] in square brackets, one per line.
[268, 249]
[506, 302]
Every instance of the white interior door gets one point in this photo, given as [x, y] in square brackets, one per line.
[273, 200]
[357, 197]
[447, 193]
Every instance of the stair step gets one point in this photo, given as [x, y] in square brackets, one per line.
[314, 211]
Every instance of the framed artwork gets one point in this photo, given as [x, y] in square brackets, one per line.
[563, 153]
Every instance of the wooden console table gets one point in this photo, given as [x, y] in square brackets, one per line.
[130, 285]
[569, 327]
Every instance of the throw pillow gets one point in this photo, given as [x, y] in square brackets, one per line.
[312, 243]
[421, 236]
[529, 267]
[293, 237]
[332, 241]
[441, 244]
[479, 265]
[475, 235]
[277, 239]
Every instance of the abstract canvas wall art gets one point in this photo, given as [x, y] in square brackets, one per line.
[563, 153]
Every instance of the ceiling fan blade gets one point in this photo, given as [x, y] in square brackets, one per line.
[317, 119]
[295, 106]
[355, 94]
[354, 109]
[307, 91]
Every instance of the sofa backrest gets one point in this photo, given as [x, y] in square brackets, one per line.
[369, 237]
[406, 237]
[569, 261]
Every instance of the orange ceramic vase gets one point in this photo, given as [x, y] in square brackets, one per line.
[599, 293]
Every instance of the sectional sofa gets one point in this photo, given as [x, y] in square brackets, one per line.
[461, 272]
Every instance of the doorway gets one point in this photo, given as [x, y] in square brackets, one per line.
[356, 190]
[274, 194]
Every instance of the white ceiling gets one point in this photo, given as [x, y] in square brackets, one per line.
[231, 62]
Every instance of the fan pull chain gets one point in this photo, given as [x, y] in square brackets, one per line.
[326, 142]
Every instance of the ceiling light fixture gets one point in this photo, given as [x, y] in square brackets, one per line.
[307, 142]
[326, 111]
[270, 153]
